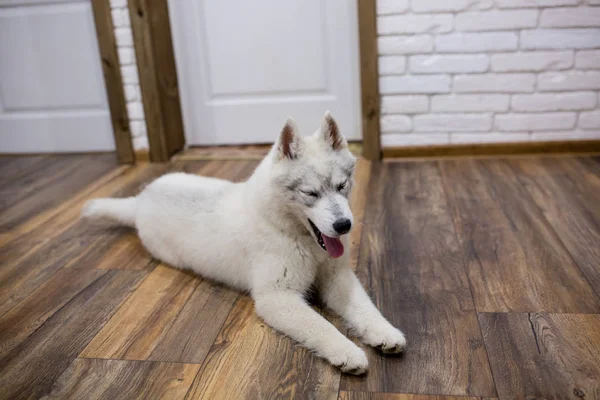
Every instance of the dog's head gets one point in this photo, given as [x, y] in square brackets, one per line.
[314, 175]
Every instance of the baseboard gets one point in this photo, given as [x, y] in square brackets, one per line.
[142, 155]
[496, 149]
[238, 152]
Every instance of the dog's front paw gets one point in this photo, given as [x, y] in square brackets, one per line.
[387, 339]
[352, 360]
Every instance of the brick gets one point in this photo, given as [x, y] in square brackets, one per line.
[138, 128]
[385, 7]
[489, 137]
[126, 55]
[577, 17]
[476, 42]
[532, 61]
[120, 17]
[130, 74]
[535, 3]
[587, 59]
[554, 101]
[432, 6]
[132, 92]
[404, 104]
[546, 39]
[395, 123]
[135, 110]
[568, 135]
[535, 122]
[589, 120]
[140, 143]
[414, 84]
[392, 65]
[570, 80]
[449, 63]
[124, 36]
[495, 20]
[494, 83]
[118, 3]
[452, 122]
[403, 24]
[405, 44]
[470, 103]
[413, 139]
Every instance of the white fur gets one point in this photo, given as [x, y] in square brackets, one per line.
[255, 236]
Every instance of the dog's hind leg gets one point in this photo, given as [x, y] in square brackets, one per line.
[288, 312]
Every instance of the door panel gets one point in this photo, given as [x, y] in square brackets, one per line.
[245, 66]
[52, 93]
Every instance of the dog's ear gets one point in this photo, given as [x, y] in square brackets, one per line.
[331, 133]
[289, 142]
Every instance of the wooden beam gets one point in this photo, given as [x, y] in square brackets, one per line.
[583, 146]
[369, 76]
[113, 81]
[158, 77]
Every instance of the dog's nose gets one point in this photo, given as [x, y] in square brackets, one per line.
[342, 225]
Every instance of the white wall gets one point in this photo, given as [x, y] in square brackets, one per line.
[481, 71]
[133, 95]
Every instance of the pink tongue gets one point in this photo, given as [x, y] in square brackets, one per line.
[334, 246]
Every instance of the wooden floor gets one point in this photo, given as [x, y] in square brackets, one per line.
[490, 267]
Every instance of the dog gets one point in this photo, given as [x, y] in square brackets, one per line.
[275, 236]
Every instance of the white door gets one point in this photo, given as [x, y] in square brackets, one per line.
[52, 96]
[243, 66]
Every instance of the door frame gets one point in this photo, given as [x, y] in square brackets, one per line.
[113, 81]
[158, 78]
[369, 78]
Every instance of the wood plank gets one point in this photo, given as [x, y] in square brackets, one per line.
[22, 320]
[145, 318]
[34, 222]
[74, 248]
[397, 396]
[50, 186]
[158, 77]
[31, 259]
[589, 167]
[411, 262]
[515, 260]
[494, 149]
[29, 370]
[544, 356]
[127, 253]
[369, 79]
[23, 240]
[197, 325]
[95, 379]
[14, 167]
[113, 81]
[568, 198]
[53, 169]
[273, 367]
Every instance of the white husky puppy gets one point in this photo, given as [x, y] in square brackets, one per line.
[274, 236]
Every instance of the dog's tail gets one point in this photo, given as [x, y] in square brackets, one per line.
[114, 211]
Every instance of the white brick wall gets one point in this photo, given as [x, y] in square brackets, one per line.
[488, 71]
[133, 96]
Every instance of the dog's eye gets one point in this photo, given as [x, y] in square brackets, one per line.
[310, 193]
[342, 186]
